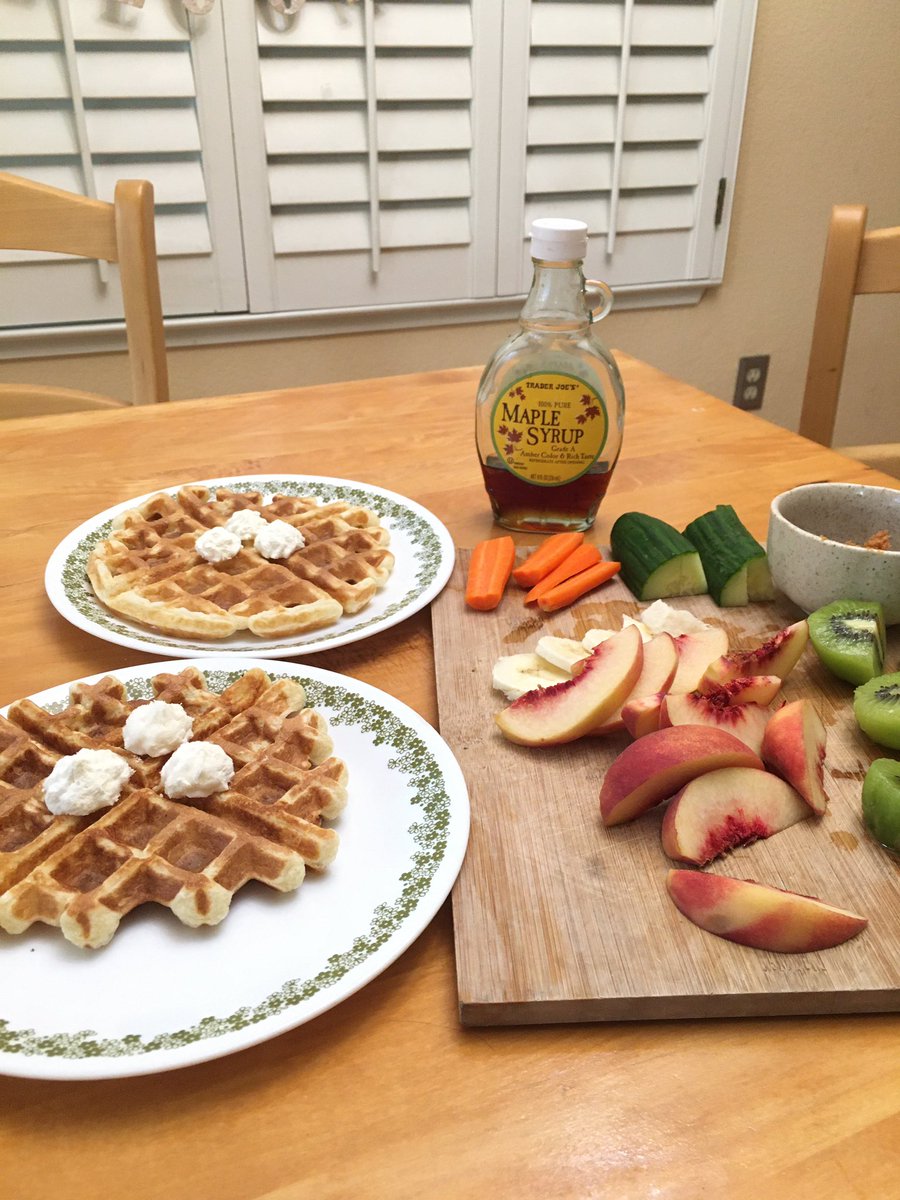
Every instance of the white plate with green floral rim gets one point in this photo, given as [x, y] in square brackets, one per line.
[161, 995]
[422, 547]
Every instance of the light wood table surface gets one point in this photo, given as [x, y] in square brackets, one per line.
[387, 1096]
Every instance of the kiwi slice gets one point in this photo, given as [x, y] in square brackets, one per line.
[849, 638]
[877, 708]
[881, 801]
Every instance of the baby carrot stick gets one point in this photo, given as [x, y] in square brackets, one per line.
[489, 571]
[580, 559]
[570, 589]
[546, 558]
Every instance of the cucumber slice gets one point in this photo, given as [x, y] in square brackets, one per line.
[759, 578]
[735, 563]
[657, 561]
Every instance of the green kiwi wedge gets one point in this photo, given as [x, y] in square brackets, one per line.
[881, 802]
[849, 638]
[877, 708]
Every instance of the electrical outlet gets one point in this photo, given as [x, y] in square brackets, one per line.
[751, 381]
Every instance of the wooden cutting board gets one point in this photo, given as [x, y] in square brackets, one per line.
[558, 918]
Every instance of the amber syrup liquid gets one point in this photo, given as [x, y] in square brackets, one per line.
[518, 504]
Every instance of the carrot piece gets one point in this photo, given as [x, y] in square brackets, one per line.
[546, 558]
[580, 559]
[570, 589]
[489, 569]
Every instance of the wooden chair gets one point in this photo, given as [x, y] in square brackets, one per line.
[36, 217]
[856, 263]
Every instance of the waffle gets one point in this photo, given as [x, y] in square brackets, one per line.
[149, 570]
[84, 873]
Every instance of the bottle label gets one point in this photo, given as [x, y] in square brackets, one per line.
[548, 428]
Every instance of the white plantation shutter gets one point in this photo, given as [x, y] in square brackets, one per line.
[358, 165]
[633, 111]
[136, 100]
[353, 158]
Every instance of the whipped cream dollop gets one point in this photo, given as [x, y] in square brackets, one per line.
[156, 728]
[196, 769]
[277, 539]
[217, 544]
[246, 523]
[83, 782]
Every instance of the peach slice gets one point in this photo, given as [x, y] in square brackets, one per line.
[793, 746]
[641, 717]
[566, 711]
[695, 653]
[732, 807]
[658, 765]
[778, 655]
[766, 918]
[746, 721]
[752, 689]
[657, 673]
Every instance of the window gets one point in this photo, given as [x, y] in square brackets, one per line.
[360, 156]
[92, 92]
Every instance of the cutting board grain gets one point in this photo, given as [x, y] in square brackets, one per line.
[558, 919]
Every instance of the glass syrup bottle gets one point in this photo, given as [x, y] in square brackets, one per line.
[551, 405]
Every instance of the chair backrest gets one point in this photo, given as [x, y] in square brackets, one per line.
[36, 217]
[856, 263]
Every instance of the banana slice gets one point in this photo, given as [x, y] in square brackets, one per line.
[594, 637]
[662, 618]
[516, 674]
[561, 652]
[644, 630]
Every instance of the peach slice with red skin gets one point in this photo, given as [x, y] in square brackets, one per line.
[754, 914]
[658, 671]
[746, 721]
[793, 746]
[724, 809]
[752, 689]
[695, 653]
[778, 655]
[641, 717]
[658, 765]
[566, 711]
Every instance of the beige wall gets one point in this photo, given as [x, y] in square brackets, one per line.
[821, 127]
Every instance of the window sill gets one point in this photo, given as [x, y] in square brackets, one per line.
[104, 337]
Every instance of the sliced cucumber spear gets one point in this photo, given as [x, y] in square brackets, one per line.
[657, 561]
[736, 566]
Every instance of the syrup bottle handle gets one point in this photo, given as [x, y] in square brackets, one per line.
[592, 287]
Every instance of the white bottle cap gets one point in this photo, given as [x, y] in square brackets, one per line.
[557, 239]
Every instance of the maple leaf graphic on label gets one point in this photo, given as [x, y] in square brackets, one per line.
[581, 418]
[520, 393]
[585, 399]
[509, 449]
[503, 430]
[592, 412]
[515, 435]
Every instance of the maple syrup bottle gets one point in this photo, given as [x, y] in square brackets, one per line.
[550, 404]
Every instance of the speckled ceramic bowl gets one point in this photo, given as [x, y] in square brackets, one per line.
[810, 560]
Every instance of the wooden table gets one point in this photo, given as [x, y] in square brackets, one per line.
[387, 1095]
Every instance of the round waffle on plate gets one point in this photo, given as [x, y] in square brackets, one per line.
[150, 570]
[84, 873]
[161, 995]
[346, 575]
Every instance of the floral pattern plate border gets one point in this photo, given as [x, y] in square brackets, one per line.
[435, 825]
[422, 544]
